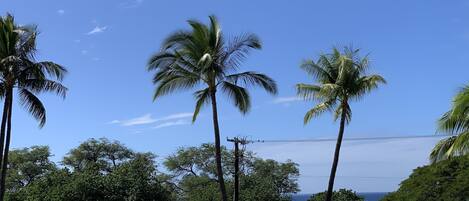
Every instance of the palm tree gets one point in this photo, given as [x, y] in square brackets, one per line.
[202, 57]
[20, 73]
[456, 123]
[341, 78]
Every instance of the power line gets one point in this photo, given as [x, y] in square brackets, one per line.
[352, 139]
[358, 177]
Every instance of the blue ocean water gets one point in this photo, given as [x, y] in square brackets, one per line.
[367, 196]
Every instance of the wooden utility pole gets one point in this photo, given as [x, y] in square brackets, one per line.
[236, 142]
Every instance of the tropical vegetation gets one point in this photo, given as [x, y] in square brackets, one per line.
[455, 122]
[202, 56]
[21, 74]
[98, 169]
[192, 170]
[202, 59]
[341, 77]
[101, 169]
[340, 195]
[446, 180]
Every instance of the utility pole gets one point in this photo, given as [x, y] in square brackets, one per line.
[236, 142]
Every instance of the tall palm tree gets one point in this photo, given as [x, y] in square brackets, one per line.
[21, 73]
[341, 78]
[456, 123]
[201, 57]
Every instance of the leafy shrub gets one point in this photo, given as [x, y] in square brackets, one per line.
[341, 195]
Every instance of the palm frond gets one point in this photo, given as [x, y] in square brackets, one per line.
[457, 119]
[203, 98]
[175, 39]
[201, 55]
[367, 84]
[173, 83]
[33, 105]
[340, 77]
[215, 32]
[318, 92]
[453, 123]
[161, 60]
[307, 91]
[239, 96]
[440, 151]
[238, 49]
[43, 85]
[460, 145]
[461, 101]
[317, 71]
[318, 110]
[251, 78]
[451, 147]
[52, 69]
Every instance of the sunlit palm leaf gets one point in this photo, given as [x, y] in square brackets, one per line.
[340, 77]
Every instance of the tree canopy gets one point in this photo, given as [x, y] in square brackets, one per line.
[96, 170]
[192, 171]
[447, 180]
[341, 195]
[101, 169]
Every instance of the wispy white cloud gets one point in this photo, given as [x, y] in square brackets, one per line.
[284, 100]
[148, 119]
[176, 116]
[172, 123]
[97, 29]
[61, 12]
[114, 122]
[84, 52]
[145, 119]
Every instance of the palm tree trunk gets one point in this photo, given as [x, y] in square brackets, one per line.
[2, 128]
[7, 146]
[216, 129]
[330, 188]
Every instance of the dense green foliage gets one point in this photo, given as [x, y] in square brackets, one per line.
[26, 165]
[99, 170]
[447, 180]
[193, 172]
[341, 195]
[96, 170]
[454, 122]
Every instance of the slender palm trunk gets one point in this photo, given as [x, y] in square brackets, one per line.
[9, 97]
[216, 129]
[2, 128]
[330, 188]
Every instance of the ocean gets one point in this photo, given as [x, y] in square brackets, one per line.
[367, 196]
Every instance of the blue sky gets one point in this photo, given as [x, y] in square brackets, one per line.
[420, 47]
